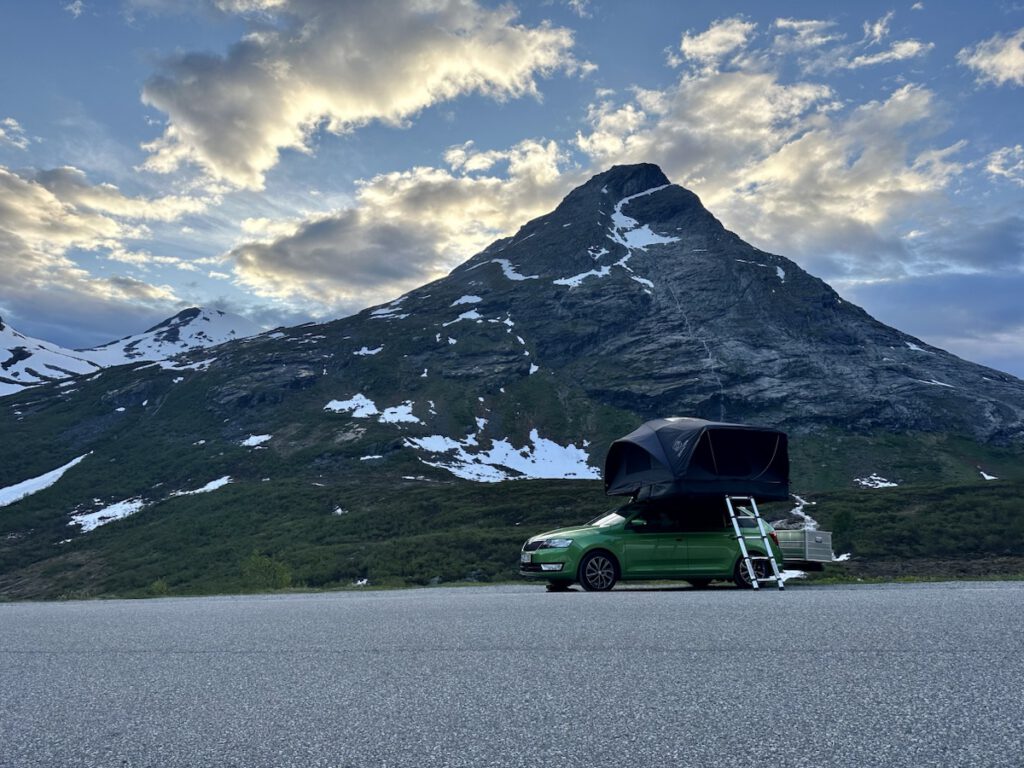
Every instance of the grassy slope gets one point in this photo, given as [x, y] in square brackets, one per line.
[257, 536]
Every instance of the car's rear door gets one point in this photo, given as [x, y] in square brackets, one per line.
[710, 547]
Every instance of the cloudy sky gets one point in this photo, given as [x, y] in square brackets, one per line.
[302, 159]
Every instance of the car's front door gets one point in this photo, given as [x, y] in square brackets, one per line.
[652, 549]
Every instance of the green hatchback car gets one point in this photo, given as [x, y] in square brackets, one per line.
[684, 539]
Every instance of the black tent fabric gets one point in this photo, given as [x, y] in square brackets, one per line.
[692, 457]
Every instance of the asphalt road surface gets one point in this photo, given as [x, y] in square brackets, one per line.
[923, 675]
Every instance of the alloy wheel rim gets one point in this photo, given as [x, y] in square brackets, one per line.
[600, 572]
[760, 571]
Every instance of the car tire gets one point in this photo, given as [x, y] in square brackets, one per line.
[598, 572]
[559, 586]
[740, 575]
[699, 583]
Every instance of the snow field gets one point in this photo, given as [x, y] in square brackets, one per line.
[541, 458]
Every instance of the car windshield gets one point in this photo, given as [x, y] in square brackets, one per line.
[609, 518]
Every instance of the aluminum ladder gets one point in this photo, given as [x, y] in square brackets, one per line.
[747, 559]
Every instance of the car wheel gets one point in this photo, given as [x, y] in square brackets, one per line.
[699, 583]
[598, 572]
[558, 586]
[740, 575]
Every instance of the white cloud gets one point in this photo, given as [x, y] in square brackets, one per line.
[706, 127]
[265, 228]
[144, 260]
[12, 133]
[337, 66]
[1007, 163]
[406, 228]
[898, 51]
[72, 187]
[722, 38]
[580, 7]
[813, 37]
[803, 34]
[998, 60]
[75, 8]
[875, 32]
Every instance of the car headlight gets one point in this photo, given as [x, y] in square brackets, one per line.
[555, 543]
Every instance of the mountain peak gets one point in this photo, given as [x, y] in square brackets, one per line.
[626, 180]
[618, 182]
[190, 328]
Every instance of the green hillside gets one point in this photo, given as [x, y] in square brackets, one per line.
[254, 535]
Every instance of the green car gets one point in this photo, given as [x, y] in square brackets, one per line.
[685, 539]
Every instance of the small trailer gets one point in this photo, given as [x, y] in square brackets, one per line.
[805, 549]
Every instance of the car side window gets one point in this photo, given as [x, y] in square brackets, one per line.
[702, 518]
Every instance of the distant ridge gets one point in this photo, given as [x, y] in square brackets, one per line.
[25, 361]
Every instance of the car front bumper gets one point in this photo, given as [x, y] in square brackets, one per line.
[550, 564]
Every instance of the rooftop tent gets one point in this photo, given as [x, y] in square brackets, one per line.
[693, 457]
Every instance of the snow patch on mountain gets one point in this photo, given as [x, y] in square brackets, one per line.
[389, 310]
[510, 271]
[874, 480]
[628, 232]
[364, 352]
[90, 521]
[576, 280]
[399, 414]
[468, 299]
[360, 406]
[19, 491]
[539, 459]
[253, 440]
[471, 315]
[213, 485]
[199, 365]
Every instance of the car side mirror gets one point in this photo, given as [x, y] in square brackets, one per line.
[637, 523]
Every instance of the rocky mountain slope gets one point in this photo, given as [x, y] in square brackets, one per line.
[629, 301]
[27, 361]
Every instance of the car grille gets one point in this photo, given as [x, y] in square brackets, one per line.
[530, 546]
[530, 567]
